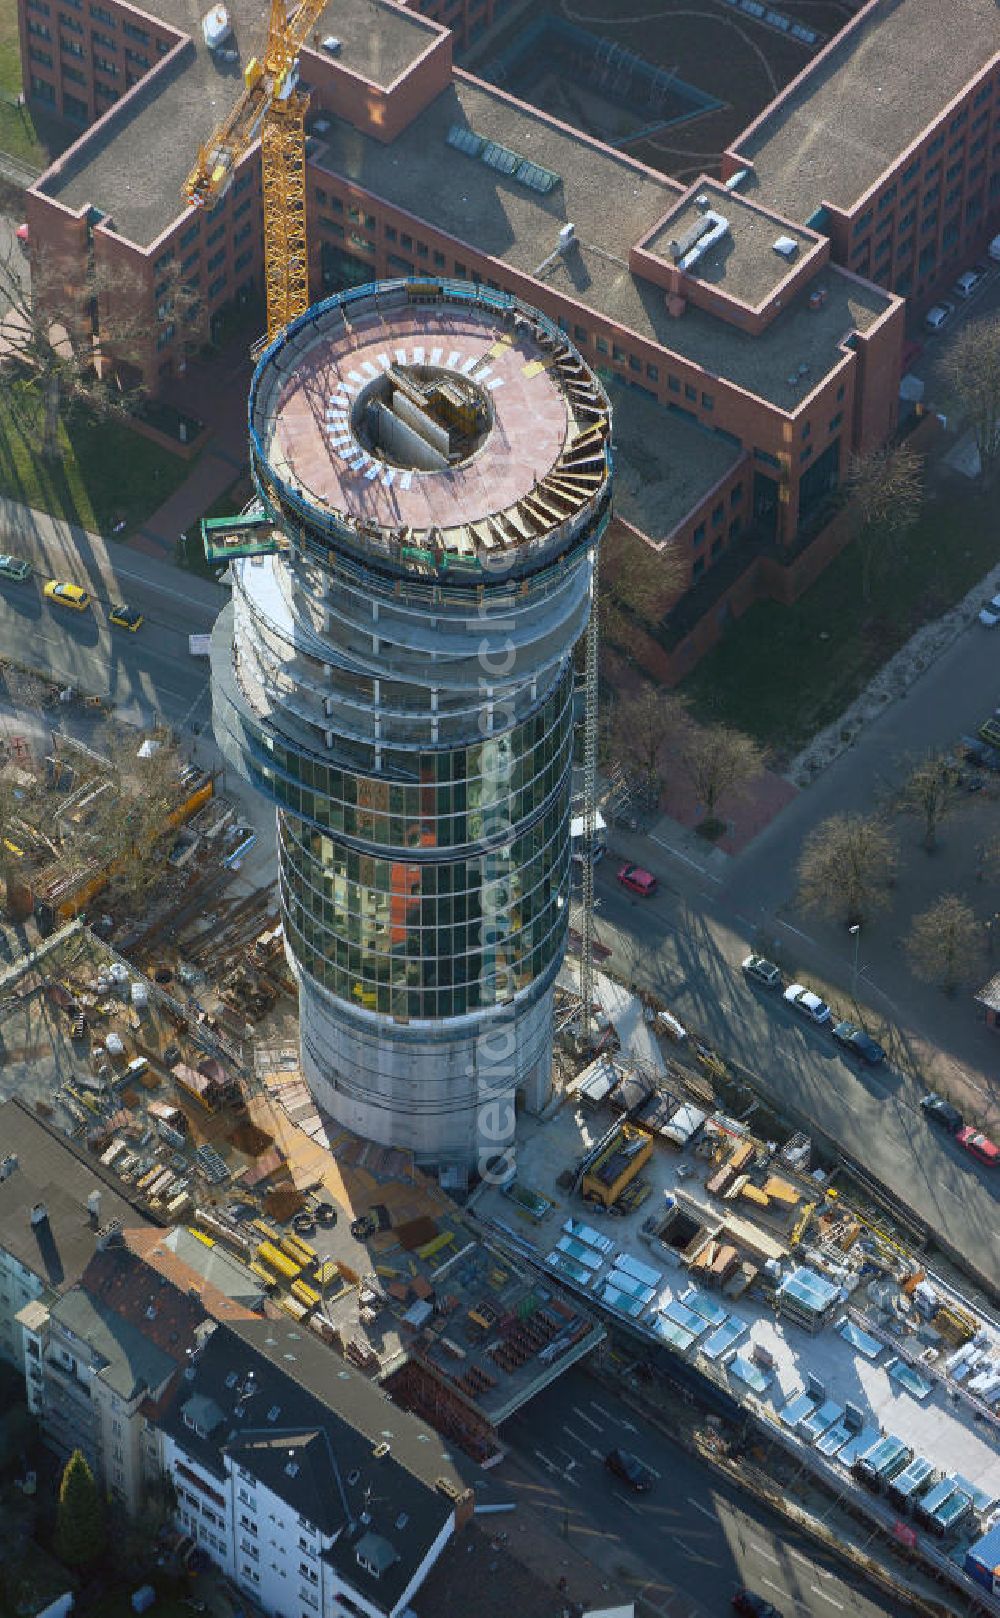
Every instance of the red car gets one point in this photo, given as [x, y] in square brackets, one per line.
[979, 1146]
[638, 881]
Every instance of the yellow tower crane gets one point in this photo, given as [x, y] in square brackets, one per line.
[273, 107]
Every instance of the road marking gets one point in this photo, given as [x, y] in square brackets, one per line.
[768, 1555]
[703, 1509]
[630, 1503]
[797, 931]
[575, 1437]
[606, 1413]
[772, 1586]
[166, 590]
[818, 1590]
[588, 1419]
[692, 1556]
[686, 858]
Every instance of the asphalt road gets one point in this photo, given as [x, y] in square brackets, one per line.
[689, 953]
[149, 674]
[693, 1539]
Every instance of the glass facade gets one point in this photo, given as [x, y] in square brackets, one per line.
[408, 707]
[419, 939]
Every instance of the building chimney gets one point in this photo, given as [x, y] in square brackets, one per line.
[110, 1235]
[94, 1208]
[39, 1213]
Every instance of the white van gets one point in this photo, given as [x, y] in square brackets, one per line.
[600, 837]
[994, 249]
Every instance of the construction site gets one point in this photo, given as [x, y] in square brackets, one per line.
[334, 1231]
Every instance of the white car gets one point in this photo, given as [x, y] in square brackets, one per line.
[990, 613]
[807, 1004]
[935, 317]
[967, 283]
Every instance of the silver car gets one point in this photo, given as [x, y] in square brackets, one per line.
[807, 1004]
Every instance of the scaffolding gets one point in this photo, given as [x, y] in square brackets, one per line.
[589, 808]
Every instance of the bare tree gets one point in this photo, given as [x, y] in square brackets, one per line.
[945, 944]
[73, 343]
[642, 726]
[846, 867]
[931, 791]
[972, 370]
[56, 353]
[885, 490]
[718, 761]
[638, 584]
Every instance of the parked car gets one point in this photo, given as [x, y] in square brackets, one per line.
[66, 595]
[936, 316]
[978, 1146]
[975, 751]
[855, 1040]
[15, 567]
[941, 1112]
[762, 971]
[989, 613]
[753, 1605]
[966, 284]
[126, 618]
[630, 1469]
[808, 1004]
[638, 881]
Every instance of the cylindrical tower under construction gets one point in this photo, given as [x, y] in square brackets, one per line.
[397, 678]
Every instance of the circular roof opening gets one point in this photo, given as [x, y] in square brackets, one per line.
[422, 418]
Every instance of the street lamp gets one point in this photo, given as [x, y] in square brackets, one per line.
[855, 932]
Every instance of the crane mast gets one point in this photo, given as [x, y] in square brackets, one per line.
[273, 108]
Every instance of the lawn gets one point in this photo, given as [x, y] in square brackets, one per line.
[782, 673]
[17, 131]
[107, 473]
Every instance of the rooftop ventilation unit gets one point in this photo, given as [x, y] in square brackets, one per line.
[786, 247]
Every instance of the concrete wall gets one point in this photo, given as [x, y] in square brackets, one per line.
[445, 1092]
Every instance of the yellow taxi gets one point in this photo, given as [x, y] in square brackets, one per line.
[67, 595]
[126, 618]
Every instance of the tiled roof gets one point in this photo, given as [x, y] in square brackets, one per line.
[224, 1286]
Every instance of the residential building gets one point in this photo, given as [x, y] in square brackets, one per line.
[300, 1481]
[749, 333]
[107, 1351]
[53, 1202]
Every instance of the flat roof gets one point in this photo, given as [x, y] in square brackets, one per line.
[743, 263]
[866, 99]
[664, 464]
[133, 163]
[613, 205]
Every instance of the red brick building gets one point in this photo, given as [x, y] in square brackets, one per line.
[746, 355]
